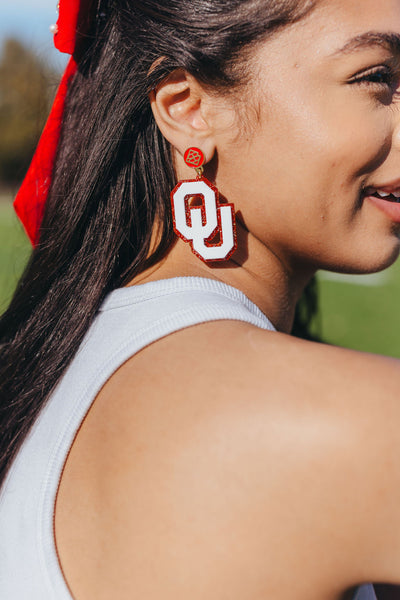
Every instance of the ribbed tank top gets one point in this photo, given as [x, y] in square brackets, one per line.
[128, 320]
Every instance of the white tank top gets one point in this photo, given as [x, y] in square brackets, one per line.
[128, 320]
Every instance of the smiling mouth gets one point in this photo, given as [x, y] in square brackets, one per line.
[393, 196]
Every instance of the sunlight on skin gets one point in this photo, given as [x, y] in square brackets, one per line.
[328, 117]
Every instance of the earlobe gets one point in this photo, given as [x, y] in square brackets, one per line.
[178, 107]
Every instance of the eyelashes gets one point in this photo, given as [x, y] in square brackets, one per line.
[383, 77]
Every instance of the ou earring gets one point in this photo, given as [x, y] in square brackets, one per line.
[209, 228]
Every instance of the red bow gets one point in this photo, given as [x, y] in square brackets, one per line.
[67, 24]
[31, 198]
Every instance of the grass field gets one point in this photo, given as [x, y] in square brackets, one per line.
[360, 312]
[14, 251]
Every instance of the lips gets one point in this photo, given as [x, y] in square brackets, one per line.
[386, 199]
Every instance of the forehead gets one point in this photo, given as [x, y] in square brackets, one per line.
[359, 14]
[332, 24]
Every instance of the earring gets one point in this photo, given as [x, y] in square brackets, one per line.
[209, 228]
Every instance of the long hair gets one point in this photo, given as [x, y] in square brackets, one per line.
[112, 179]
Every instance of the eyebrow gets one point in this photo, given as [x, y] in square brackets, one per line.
[388, 40]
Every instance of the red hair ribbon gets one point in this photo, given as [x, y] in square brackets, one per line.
[31, 198]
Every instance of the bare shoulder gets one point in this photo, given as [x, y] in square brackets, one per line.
[226, 361]
[245, 461]
[314, 427]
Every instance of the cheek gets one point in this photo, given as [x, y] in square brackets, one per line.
[319, 146]
[297, 179]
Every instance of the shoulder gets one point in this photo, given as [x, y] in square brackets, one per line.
[234, 357]
[265, 449]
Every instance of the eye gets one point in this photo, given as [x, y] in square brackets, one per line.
[378, 76]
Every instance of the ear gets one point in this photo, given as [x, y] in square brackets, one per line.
[181, 110]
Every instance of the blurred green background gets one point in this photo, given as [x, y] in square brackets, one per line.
[361, 311]
[14, 250]
[28, 81]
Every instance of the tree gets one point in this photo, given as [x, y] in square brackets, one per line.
[26, 93]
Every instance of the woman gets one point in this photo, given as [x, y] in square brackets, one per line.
[227, 459]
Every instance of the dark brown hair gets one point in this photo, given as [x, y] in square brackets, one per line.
[112, 179]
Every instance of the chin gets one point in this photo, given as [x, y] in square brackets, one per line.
[371, 261]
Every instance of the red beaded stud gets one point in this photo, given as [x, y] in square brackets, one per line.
[194, 157]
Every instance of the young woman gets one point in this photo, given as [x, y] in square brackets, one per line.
[163, 436]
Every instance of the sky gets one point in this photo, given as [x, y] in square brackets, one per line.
[29, 21]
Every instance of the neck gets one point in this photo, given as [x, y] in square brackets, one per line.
[254, 269]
